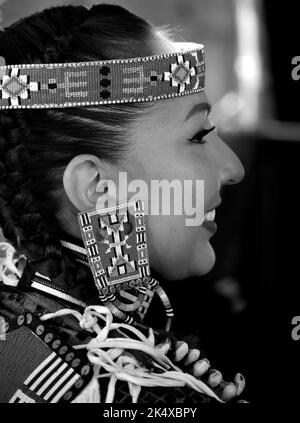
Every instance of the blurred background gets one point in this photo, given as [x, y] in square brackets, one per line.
[242, 310]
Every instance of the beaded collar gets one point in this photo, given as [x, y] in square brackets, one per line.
[14, 272]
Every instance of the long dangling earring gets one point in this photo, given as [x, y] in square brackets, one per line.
[115, 239]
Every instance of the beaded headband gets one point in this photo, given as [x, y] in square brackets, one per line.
[58, 85]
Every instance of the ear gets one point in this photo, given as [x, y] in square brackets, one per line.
[83, 181]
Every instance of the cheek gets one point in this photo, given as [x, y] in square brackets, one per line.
[177, 251]
[168, 242]
[206, 169]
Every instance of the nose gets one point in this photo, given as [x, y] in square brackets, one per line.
[232, 170]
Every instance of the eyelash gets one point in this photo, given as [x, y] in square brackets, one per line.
[198, 138]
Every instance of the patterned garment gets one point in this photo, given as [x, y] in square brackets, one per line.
[39, 363]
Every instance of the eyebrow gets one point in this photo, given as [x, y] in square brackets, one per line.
[201, 107]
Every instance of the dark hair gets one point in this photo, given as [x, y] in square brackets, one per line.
[37, 145]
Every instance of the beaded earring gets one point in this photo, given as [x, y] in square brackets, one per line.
[115, 239]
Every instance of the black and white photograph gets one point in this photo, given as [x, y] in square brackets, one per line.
[149, 212]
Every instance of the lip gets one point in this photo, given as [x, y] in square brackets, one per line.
[214, 207]
[210, 226]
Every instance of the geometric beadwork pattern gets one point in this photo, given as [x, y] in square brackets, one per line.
[38, 366]
[181, 74]
[116, 245]
[58, 85]
[115, 241]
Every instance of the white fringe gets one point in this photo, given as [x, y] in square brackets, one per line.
[112, 354]
[11, 266]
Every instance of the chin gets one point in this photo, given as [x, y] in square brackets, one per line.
[202, 261]
[198, 263]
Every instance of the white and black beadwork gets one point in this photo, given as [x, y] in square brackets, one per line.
[58, 85]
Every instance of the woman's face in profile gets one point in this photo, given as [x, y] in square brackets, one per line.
[162, 150]
[172, 147]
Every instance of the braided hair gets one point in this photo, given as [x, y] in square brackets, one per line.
[37, 145]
